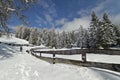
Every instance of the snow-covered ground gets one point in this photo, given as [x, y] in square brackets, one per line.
[13, 40]
[16, 65]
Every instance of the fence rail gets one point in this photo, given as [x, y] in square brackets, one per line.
[84, 62]
[79, 51]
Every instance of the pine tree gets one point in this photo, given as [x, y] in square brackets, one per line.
[45, 37]
[107, 32]
[117, 31]
[93, 35]
[25, 33]
[39, 38]
[52, 37]
[34, 36]
[82, 37]
[63, 39]
[18, 32]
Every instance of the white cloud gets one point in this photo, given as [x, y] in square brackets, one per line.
[61, 21]
[48, 17]
[101, 7]
[40, 21]
[75, 24]
[116, 19]
[83, 13]
[44, 4]
[49, 7]
[12, 27]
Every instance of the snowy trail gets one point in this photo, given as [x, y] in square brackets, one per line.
[22, 66]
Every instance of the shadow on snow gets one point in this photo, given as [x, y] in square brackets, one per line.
[6, 51]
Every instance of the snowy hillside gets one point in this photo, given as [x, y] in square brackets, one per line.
[16, 65]
[13, 40]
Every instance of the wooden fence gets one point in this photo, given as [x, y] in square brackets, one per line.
[79, 51]
[84, 62]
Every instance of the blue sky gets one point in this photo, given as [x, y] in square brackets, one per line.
[68, 14]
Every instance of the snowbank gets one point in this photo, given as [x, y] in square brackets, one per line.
[22, 66]
[13, 40]
[15, 65]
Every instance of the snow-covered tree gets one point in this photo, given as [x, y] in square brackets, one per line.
[39, 40]
[0, 33]
[101, 33]
[93, 31]
[63, 39]
[72, 37]
[25, 33]
[58, 44]
[34, 36]
[45, 37]
[18, 32]
[107, 32]
[52, 37]
[82, 37]
[22, 32]
[117, 30]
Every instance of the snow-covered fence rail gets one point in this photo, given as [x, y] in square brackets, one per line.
[78, 51]
[83, 52]
[54, 59]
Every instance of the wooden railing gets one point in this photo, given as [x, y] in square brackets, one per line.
[83, 52]
[78, 51]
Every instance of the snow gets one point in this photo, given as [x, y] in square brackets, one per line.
[16, 65]
[115, 59]
[11, 9]
[39, 47]
[53, 49]
[13, 40]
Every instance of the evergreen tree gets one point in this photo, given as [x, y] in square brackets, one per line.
[93, 34]
[63, 39]
[18, 32]
[58, 45]
[39, 40]
[108, 37]
[117, 30]
[52, 37]
[25, 33]
[82, 37]
[34, 36]
[45, 37]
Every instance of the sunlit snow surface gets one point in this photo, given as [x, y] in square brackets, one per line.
[15, 65]
[13, 40]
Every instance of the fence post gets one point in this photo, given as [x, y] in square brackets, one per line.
[40, 54]
[83, 56]
[53, 58]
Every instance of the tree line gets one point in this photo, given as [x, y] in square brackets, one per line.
[100, 34]
[51, 38]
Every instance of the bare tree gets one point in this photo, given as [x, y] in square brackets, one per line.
[9, 7]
